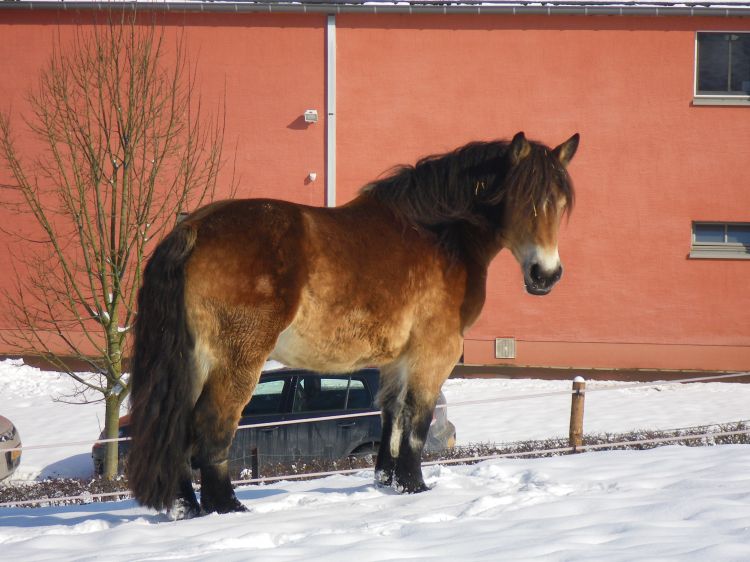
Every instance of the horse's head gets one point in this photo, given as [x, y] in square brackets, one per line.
[538, 193]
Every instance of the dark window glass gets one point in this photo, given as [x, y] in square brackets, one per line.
[266, 398]
[359, 396]
[709, 233]
[738, 234]
[314, 394]
[713, 59]
[740, 61]
[723, 63]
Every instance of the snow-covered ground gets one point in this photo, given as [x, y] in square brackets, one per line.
[672, 503]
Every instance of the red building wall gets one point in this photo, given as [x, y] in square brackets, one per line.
[649, 163]
[266, 69]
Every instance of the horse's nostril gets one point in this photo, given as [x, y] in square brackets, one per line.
[540, 278]
[556, 276]
[536, 273]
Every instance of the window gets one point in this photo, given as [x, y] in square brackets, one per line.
[315, 394]
[359, 396]
[721, 240]
[722, 67]
[267, 398]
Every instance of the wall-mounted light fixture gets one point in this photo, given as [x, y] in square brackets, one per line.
[311, 116]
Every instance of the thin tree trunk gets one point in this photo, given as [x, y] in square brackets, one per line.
[111, 431]
[126, 149]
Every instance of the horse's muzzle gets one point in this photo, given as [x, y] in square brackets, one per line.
[540, 282]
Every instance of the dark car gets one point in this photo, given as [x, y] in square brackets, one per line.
[9, 439]
[295, 394]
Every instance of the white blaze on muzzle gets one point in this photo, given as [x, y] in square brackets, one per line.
[548, 259]
[541, 267]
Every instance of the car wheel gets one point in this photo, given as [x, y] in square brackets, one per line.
[367, 452]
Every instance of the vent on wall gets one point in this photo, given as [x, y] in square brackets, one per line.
[505, 348]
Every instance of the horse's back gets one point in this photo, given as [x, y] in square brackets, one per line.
[327, 289]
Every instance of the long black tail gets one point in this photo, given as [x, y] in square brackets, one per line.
[162, 376]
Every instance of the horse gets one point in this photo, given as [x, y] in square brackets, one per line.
[392, 279]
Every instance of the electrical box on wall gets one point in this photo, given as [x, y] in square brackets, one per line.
[505, 348]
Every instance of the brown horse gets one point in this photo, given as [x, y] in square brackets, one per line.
[392, 279]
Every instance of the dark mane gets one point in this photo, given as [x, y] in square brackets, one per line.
[467, 185]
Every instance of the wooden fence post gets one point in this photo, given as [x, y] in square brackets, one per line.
[254, 469]
[576, 413]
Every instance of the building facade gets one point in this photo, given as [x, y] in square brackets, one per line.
[657, 274]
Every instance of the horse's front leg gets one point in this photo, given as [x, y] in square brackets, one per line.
[415, 421]
[390, 399]
[385, 463]
[407, 400]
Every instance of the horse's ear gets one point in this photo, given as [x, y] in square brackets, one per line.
[519, 148]
[567, 150]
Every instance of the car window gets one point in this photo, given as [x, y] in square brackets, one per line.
[359, 396]
[314, 394]
[267, 398]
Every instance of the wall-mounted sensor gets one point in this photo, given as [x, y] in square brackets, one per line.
[312, 176]
[311, 116]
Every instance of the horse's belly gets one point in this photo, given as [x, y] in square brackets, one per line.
[341, 344]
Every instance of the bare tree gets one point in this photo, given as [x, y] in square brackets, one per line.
[122, 151]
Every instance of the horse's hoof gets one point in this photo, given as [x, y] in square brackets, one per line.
[419, 489]
[184, 509]
[238, 507]
[410, 487]
[231, 506]
[383, 479]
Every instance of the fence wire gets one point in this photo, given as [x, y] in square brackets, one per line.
[452, 405]
[87, 497]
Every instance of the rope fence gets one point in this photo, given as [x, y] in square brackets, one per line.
[593, 447]
[576, 431]
[626, 386]
[471, 459]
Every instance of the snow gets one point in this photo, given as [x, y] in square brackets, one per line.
[670, 503]
[30, 399]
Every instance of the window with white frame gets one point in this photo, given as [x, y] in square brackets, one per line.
[721, 240]
[722, 66]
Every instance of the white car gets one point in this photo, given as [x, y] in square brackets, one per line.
[9, 439]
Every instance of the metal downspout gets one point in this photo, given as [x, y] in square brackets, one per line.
[331, 111]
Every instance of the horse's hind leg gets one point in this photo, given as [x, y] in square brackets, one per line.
[186, 506]
[217, 493]
[216, 415]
